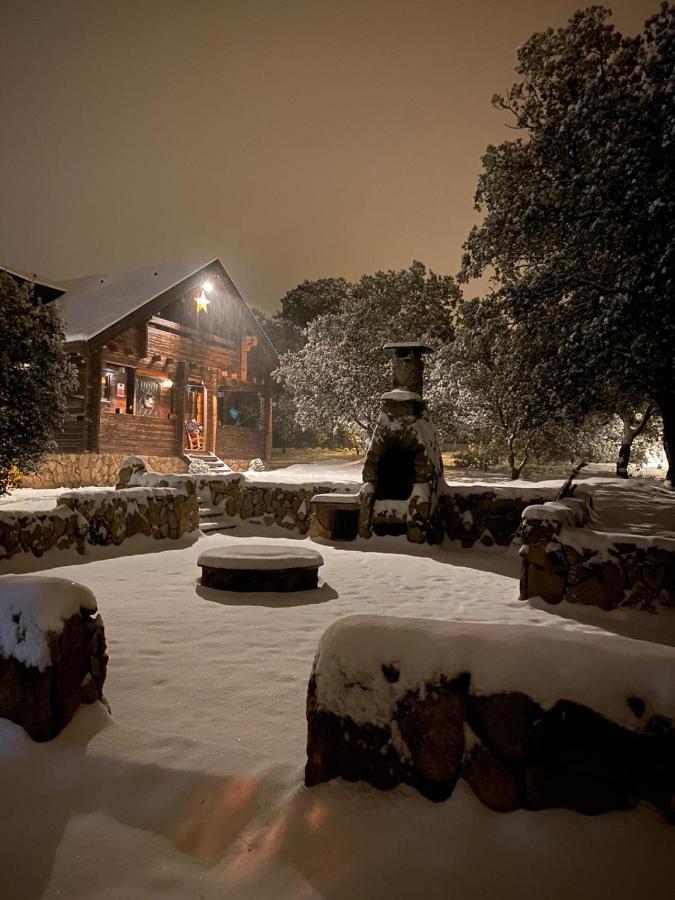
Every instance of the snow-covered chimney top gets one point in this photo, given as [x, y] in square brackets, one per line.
[407, 364]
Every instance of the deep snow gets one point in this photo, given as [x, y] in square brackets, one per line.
[194, 788]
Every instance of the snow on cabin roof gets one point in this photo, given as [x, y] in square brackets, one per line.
[94, 303]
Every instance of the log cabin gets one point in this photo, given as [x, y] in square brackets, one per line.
[172, 365]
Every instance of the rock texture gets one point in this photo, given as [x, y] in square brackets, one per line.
[43, 702]
[511, 710]
[100, 518]
[520, 756]
[91, 469]
[563, 561]
[404, 438]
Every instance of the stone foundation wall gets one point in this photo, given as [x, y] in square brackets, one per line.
[563, 561]
[100, 518]
[515, 752]
[91, 469]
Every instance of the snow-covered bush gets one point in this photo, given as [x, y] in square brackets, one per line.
[198, 467]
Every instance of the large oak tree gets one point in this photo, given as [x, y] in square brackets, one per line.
[579, 210]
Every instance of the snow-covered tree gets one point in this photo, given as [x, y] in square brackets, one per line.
[579, 209]
[35, 377]
[492, 388]
[483, 388]
[336, 380]
[312, 299]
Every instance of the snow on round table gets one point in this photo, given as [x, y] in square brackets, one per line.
[260, 567]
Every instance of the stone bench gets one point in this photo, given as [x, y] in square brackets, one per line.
[335, 517]
[260, 567]
[52, 652]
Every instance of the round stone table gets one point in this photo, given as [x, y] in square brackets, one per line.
[260, 567]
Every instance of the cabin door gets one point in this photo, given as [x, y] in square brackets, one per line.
[195, 416]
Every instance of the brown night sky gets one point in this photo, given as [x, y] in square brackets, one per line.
[292, 139]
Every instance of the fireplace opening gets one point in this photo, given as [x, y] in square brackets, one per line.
[395, 474]
[345, 524]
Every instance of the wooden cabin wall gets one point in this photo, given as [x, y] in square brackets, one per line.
[139, 435]
[234, 442]
[71, 438]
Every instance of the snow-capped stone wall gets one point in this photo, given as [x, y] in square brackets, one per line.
[101, 517]
[519, 712]
[263, 503]
[254, 498]
[562, 560]
[52, 652]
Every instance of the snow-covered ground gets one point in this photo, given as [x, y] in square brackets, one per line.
[194, 788]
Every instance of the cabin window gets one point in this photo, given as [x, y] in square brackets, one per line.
[239, 408]
[148, 396]
[114, 388]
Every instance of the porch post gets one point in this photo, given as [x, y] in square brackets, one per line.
[92, 399]
[212, 410]
[179, 385]
[267, 420]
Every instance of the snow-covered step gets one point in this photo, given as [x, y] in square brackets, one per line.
[212, 527]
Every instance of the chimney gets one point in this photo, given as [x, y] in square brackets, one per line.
[407, 365]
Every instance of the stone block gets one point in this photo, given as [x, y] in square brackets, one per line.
[503, 722]
[547, 585]
[491, 781]
[44, 699]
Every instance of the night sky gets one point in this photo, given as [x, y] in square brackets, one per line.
[292, 139]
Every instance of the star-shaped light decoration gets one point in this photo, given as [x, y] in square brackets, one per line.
[201, 299]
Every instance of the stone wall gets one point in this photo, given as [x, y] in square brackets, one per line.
[490, 516]
[101, 518]
[261, 503]
[469, 516]
[91, 469]
[562, 560]
[236, 495]
[388, 704]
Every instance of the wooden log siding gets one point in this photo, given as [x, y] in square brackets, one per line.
[71, 438]
[167, 344]
[140, 435]
[238, 442]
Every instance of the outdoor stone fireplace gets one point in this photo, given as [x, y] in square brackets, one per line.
[403, 470]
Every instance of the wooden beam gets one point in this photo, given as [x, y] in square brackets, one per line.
[179, 383]
[92, 399]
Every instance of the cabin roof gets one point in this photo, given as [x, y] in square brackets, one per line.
[94, 306]
[45, 289]
[95, 303]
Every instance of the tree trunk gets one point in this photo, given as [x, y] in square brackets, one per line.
[667, 407]
[623, 460]
[514, 467]
[630, 432]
